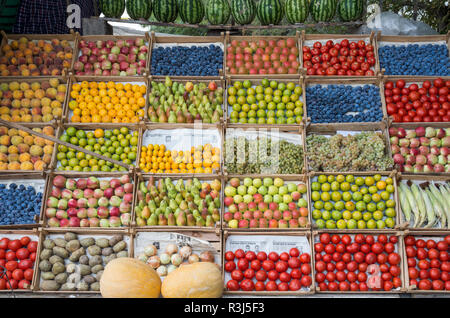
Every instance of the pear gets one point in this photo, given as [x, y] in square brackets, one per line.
[162, 118]
[216, 215]
[200, 222]
[140, 222]
[162, 220]
[181, 219]
[153, 220]
[171, 220]
[209, 221]
[146, 213]
[190, 220]
[138, 211]
[180, 117]
[172, 118]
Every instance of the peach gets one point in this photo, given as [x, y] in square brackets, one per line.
[3, 130]
[35, 104]
[16, 118]
[46, 101]
[23, 40]
[55, 104]
[13, 149]
[35, 86]
[14, 165]
[48, 149]
[23, 133]
[46, 110]
[60, 97]
[61, 88]
[37, 118]
[57, 112]
[29, 140]
[5, 140]
[48, 130]
[26, 73]
[48, 48]
[13, 157]
[39, 141]
[39, 93]
[39, 165]
[7, 48]
[27, 118]
[6, 101]
[5, 117]
[26, 166]
[15, 112]
[47, 117]
[54, 82]
[25, 102]
[55, 72]
[36, 150]
[24, 157]
[13, 132]
[3, 157]
[15, 140]
[14, 86]
[41, 43]
[16, 103]
[3, 166]
[47, 158]
[17, 94]
[4, 110]
[23, 148]
[28, 94]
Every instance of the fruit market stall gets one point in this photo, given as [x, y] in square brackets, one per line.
[255, 162]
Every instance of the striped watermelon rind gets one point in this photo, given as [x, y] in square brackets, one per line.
[270, 11]
[112, 8]
[192, 11]
[296, 11]
[323, 10]
[165, 10]
[243, 11]
[217, 11]
[351, 10]
[139, 9]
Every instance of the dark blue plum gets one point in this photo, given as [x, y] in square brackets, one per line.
[19, 204]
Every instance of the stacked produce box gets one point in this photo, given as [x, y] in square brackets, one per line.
[299, 165]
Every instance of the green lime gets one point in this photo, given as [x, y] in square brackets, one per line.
[357, 196]
[325, 187]
[351, 224]
[354, 188]
[116, 132]
[316, 214]
[346, 196]
[381, 224]
[132, 156]
[330, 224]
[361, 224]
[71, 131]
[320, 224]
[108, 134]
[367, 216]
[345, 186]
[349, 205]
[341, 224]
[359, 181]
[60, 156]
[390, 203]
[367, 198]
[80, 155]
[346, 215]
[336, 215]
[360, 206]
[124, 130]
[326, 215]
[328, 206]
[350, 178]
[74, 140]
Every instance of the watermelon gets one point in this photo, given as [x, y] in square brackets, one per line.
[217, 11]
[296, 10]
[323, 10]
[139, 9]
[112, 8]
[351, 10]
[192, 11]
[165, 10]
[270, 11]
[243, 11]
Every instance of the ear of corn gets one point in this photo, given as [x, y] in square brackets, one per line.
[431, 216]
[420, 204]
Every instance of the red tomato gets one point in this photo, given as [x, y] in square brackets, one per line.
[325, 238]
[285, 277]
[333, 286]
[2, 283]
[242, 264]
[229, 256]
[247, 285]
[384, 268]
[330, 249]
[433, 253]
[273, 256]
[294, 262]
[295, 284]
[13, 284]
[268, 265]
[281, 266]
[17, 274]
[271, 286]
[424, 284]
[320, 277]
[4, 243]
[445, 266]
[22, 253]
[365, 248]
[261, 256]
[239, 253]
[11, 265]
[33, 256]
[294, 252]
[394, 270]
[25, 240]
[2, 254]
[327, 258]
[305, 258]
[32, 246]
[393, 258]
[389, 247]
[14, 245]
[381, 258]
[443, 256]
[259, 286]
[272, 275]
[237, 275]
[362, 267]
[250, 256]
[284, 256]
[410, 251]
[400, 84]
[442, 246]
[387, 286]
[28, 274]
[351, 277]
[305, 269]
[386, 276]
[255, 265]
[435, 273]
[336, 257]
[370, 258]
[261, 275]
[352, 266]
[283, 286]
[362, 277]
[340, 248]
[306, 280]
[249, 273]
[330, 276]
[424, 274]
[438, 285]
[420, 243]
[435, 263]
[421, 253]
[344, 286]
[10, 256]
[229, 266]
[318, 247]
[377, 248]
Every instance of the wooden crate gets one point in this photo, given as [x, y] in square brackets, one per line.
[405, 225]
[256, 80]
[194, 40]
[77, 52]
[44, 233]
[24, 178]
[300, 292]
[391, 174]
[425, 235]
[331, 129]
[405, 40]
[296, 178]
[409, 126]
[145, 178]
[43, 221]
[71, 38]
[168, 127]
[252, 129]
[92, 127]
[34, 236]
[139, 80]
[229, 38]
[19, 173]
[349, 80]
[194, 80]
[310, 39]
[63, 80]
[399, 250]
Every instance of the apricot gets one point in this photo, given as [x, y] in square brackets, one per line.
[13, 149]
[15, 140]
[16, 104]
[5, 73]
[48, 130]
[3, 166]
[35, 104]
[48, 48]
[5, 117]
[60, 97]
[16, 118]
[36, 118]
[3, 157]
[57, 112]
[47, 117]
[36, 151]
[29, 140]
[26, 166]
[39, 165]
[3, 130]
[39, 141]
[13, 132]
[26, 73]
[46, 110]
[48, 149]
[46, 101]
[27, 118]
[39, 93]
[5, 140]
[47, 158]
[35, 86]
[13, 157]
[25, 102]
[23, 133]
[24, 157]
[23, 148]
[14, 165]
[4, 110]
[7, 48]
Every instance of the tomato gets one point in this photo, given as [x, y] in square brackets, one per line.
[381, 258]
[362, 277]
[32, 246]
[424, 274]
[424, 284]
[17, 274]
[2, 283]
[442, 246]
[421, 253]
[13, 284]
[433, 253]
[261, 256]
[335, 239]
[2, 262]
[370, 258]
[447, 238]
[285, 277]
[410, 251]
[388, 285]
[250, 256]
[294, 252]
[295, 284]
[229, 266]
[271, 286]
[11, 265]
[330, 267]
[377, 248]
[320, 277]
[14, 245]
[333, 286]
[33, 256]
[330, 249]
[365, 248]
[22, 253]
[420, 243]
[352, 266]
[393, 258]
[386, 276]
[28, 274]
[242, 264]
[25, 240]
[325, 238]
[340, 266]
[443, 256]
[435, 273]
[273, 256]
[340, 248]
[359, 257]
[330, 276]
[336, 257]
[259, 286]
[229, 256]
[2, 254]
[281, 266]
[344, 286]
[283, 287]
[255, 265]
[437, 285]
[351, 277]
[327, 258]
[249, 273]
[268, 265]
[306, 280]
[272, 275]
[384, 268]
[305, 269]
[10, 256]
[305, 258]
[435, 263]
[400, 84]
[247, 285]
[296, 273]
[294, 262]
[445, 266]
[317, 256]
[445, 276]
[237, 275]
[4, 243]
[347, 257]
[362, 267]
[239, 253]
[284, 256]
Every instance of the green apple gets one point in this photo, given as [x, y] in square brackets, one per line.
[238, 198]
[273, 190]
[267, 182]
[262, 190]
[252, 190]
[277, 198]
[233, 224]
[248, 198]
[282, 190]
[278, 182]
[268, 198]
[287, 198]
[230, 191]
[291, 187]
[283, 207]
[257, 182]
[248, 182]
[242, 189]
[302, 203]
